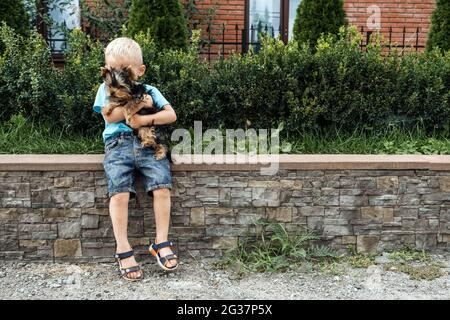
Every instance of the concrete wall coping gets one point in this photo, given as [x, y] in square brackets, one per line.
[87, 162]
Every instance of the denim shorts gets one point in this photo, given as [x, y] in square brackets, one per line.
[124, 157]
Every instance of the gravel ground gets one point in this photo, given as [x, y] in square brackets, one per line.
[200, 280]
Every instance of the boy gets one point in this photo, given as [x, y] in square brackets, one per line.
[123, 154]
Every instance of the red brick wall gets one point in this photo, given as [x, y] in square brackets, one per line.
[411, 14]
[397, 14]
[226, 16]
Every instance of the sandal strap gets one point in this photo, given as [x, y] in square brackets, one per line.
[169, 257]
[124, 255]
[161, 245]
[125, 271]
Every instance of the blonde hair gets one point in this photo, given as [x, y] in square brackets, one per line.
[123, 48]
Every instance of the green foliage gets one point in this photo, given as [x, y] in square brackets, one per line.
[27, 79]
[335, 98]
[423, 83]
[164, 19]
[277, 250]
[439, 35]
[13, 13]
[426, 272]
[79, 82]
[317, 17]
[172, 70]
[409, 254]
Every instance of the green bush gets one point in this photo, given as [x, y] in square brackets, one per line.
[424, 89]
[27, 78]
[79, 82]
[316, 17]
[439, 35]
[334, 86]
[13, 13]
[164, 19]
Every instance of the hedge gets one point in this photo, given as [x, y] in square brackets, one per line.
[333, 86]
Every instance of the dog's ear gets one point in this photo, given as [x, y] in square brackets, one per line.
[130, 72]
[104, 71]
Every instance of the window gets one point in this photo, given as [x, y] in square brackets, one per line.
[64, 15]
[293, 6]
[275, 17]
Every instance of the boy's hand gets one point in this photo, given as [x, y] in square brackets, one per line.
[138, 121]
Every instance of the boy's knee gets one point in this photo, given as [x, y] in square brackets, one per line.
[121, 198]
[161, 193]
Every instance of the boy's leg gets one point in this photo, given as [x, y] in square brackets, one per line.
[161, 207]
[118, 210]
[157, 179]
[119, 169]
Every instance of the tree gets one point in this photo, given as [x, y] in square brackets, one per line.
[13, 13]
[164, 19]
[315, 17]
[440, 26]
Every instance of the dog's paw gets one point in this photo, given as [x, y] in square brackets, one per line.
[159, 157]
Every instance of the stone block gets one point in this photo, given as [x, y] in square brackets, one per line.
[353, 201]
[68, 230]
[63, 182]
[197, 216]
[83, 199]
[224, 243]
[282, 214]
[379, 214]
[444, 183]
[67, 248]
[384, 200]
[367, 243]
[89, 221]
[219, 211]
[389, 182]
[348, 240]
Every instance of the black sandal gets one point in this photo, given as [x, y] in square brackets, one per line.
[162, 261]
[124, 271]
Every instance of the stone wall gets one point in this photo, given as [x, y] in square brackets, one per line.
[59, 211]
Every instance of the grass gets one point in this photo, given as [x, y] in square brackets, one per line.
[360, 260]
[393, 140]
[276, 250]
[426, 272]
[415, 263]
[21, 136]
[408, 254]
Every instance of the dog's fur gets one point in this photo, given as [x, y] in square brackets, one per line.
[125, 92]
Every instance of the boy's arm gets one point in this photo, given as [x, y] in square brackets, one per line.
[116, 115]
[165, 116]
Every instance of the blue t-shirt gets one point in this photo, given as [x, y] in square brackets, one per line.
[111, 129]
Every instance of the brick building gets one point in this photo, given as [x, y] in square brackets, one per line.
[237, 22]
[403, 21]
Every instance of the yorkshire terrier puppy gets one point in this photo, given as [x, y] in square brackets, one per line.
[125, 92]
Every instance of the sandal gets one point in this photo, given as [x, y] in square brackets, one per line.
[162, 261]
[124, 271]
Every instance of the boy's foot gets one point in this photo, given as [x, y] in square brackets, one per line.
[130, 262]
[164, 252]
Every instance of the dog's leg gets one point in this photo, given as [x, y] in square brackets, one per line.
[147, 137]
[160, 151]
[108, 109]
